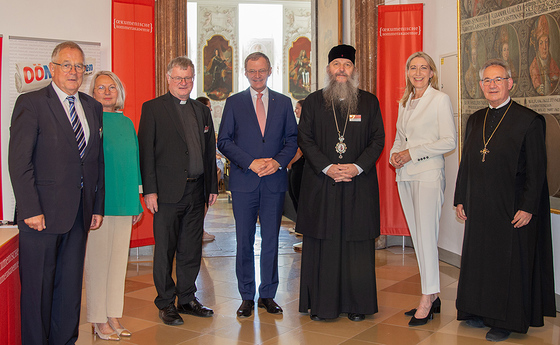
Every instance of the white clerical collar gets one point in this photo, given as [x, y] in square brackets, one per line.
[501, 105]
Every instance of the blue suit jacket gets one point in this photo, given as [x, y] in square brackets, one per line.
[241, 141]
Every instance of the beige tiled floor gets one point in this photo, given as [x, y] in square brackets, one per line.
[398, 284]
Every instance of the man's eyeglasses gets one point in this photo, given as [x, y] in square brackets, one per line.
[67, 67]
[179, 80]
[102, 88]
[260, 71]
[497, 81]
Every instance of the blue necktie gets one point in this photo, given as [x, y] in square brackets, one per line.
[77, 127]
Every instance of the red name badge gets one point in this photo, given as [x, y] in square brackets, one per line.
[355, 118]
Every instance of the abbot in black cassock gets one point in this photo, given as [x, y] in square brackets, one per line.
[339, 221]
[506, 273]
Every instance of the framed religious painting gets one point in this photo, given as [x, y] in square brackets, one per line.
[525, 34]
[299, 72]
[218, 67]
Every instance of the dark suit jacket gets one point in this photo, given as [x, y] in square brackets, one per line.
[163, 149]
[45, 165]
[241, 141]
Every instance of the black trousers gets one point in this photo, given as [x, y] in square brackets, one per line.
[51, 269]
[295, 175]
[178, 232]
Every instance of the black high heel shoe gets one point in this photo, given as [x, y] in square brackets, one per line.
[419, 322]
[436, 306]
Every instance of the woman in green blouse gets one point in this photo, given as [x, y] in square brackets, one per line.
[108, 246]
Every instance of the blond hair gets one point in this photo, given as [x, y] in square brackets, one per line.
[121, 95]
[409, 88]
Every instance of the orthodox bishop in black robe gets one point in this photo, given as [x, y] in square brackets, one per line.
[339, 218]
[506, 276]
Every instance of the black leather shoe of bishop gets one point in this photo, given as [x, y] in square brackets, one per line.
[316, 318]
[270, 306]
[195, 308]
[475, 322]
[169, 315]
[497, 334]
[246, 308]
[356, 317]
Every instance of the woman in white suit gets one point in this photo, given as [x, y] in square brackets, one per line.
[425, 132]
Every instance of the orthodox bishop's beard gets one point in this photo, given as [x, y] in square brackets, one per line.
[343, 95]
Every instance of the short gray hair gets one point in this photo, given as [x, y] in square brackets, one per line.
[494, 62]
[121, 94]
[255, 56]
[182, 62]
[64, 45]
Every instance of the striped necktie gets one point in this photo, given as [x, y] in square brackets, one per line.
[77, 127]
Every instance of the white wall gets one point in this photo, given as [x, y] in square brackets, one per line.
[88, 21]
[440, 38]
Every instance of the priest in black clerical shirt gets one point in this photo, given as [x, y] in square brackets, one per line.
[506, 280]
[178, 165]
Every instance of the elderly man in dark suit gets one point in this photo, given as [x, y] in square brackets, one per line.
[178, 166]
[56, 167]
[258, 135]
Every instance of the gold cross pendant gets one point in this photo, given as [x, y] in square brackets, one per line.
[484, 151]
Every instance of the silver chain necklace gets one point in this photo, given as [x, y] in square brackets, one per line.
[340, 147]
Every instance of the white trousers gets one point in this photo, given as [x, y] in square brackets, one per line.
[421, 202]
[105, 268]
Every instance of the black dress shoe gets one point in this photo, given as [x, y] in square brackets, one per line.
[436, 305]
[194, 308]
[169, 315]
[270, 306]
[497, 334]
[316, 318]
[246, 308]
[475, 322]
[356, 317]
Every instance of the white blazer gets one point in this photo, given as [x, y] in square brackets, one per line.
[428, 134]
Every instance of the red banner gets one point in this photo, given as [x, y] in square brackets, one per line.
[1, 204]
[10, 320]
[399, 35]
[133, 60]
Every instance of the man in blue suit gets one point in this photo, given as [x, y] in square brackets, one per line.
[258, 134]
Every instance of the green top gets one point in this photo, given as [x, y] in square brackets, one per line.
[122, 166]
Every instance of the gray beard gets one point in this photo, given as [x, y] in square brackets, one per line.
[342, 95]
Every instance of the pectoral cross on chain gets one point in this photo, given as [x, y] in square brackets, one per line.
[484, 151]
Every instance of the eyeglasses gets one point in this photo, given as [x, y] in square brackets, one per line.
[179, 80]
[67, 67]
[102, 88]
[260, 71]
[497, 81]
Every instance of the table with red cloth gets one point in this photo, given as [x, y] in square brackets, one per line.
[10, 324]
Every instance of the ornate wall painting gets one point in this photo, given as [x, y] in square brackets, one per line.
[299, 77]
[526, 34]
[218, 68]
[217, 19]
[544, 54]
[299, 68]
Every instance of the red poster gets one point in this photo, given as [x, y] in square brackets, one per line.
[133, 60]
[10, 317]
[399, 35]
[1, 205]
